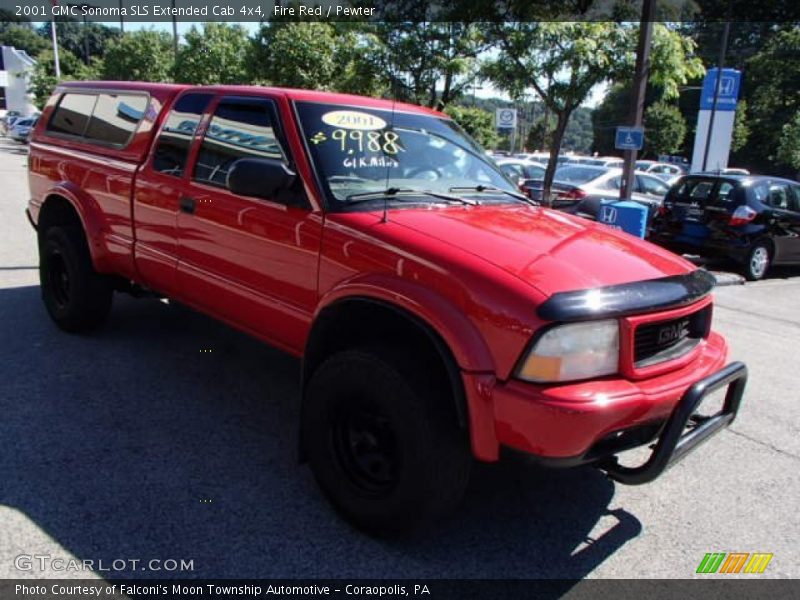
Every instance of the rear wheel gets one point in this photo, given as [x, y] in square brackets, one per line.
[758, 261]
[75, 295]
[382, 445]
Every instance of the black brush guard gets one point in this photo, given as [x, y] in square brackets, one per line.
[673, 444]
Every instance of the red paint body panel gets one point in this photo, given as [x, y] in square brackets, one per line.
[564, 421]
[475, 274]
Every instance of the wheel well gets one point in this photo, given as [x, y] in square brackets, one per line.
[363, 322]
[57, 210]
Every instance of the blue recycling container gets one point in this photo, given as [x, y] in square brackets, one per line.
[630, 217]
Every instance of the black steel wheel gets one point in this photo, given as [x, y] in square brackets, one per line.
[76, 297]
[382, 442]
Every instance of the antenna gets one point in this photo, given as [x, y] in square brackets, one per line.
[385, 218]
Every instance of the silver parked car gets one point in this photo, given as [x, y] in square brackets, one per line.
[580, 189]
[21, 130]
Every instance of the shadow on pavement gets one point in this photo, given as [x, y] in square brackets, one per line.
[168, 435]
[9, 146]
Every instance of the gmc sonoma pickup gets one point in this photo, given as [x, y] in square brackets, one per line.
[440, 315]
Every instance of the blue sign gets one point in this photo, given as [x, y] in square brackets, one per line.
[630, 217]
[728, 89]
[629, 138]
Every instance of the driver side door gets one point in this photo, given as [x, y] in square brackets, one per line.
[249, 261]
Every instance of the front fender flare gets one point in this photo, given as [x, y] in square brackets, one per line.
[441, 315]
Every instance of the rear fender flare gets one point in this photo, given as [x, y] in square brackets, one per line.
[91, 217]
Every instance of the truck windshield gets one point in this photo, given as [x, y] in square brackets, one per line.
[360, 152]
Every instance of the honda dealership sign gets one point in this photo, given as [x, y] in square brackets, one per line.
[724, 114]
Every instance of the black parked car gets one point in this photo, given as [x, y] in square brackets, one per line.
[753, 219]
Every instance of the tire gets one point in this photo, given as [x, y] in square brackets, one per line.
[758, 261]
[77, 298]
[385, 450]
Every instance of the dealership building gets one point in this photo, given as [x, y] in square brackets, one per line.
[15, 71]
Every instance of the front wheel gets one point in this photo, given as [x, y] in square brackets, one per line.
[758, 261]
[382, 445]
[75, 295]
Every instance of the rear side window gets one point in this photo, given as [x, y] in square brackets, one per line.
[694, 190]
[725, 192]
[779, 196]
[102, 118]
[115, 118]
[794, 200]
[72, 114]
[172, 149]
[238, 129]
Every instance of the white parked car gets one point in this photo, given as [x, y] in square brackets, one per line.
[597, 161]
[521, 170]
[576, 185]
[661, 170]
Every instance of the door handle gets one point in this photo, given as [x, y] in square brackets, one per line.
[187, 204]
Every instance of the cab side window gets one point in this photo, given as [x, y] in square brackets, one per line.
[101, 118]
[172, 149]
[240, 128]
[115, 118]
[72, 114]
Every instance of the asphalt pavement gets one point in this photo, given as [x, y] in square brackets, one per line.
[137, 443]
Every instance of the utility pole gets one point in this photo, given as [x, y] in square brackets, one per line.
[174, 31]
[640, 75]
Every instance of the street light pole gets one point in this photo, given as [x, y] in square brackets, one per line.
[640, 75]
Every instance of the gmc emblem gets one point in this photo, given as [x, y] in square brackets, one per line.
[673, 332]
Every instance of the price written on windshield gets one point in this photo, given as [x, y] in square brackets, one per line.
[352, 140]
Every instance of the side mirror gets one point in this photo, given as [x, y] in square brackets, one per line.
[259, 177]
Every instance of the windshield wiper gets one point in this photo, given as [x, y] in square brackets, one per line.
[395, 191]
[492, 189]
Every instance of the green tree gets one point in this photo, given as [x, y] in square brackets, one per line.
[431, 63]
[665, 129]
[217, 54]
[789, 143]
[73, 36]
[23, 37]
[540, 135]
[476, 122]
[358, 55]
[43, 79]
[773, 76]
[295, 54]
[741, 129]
[145, 55]
[564, 61]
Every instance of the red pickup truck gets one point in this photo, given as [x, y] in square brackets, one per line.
[440, 315]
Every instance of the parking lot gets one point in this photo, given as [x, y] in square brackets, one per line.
[132, 443]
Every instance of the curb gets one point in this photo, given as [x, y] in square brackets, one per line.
[725, 278]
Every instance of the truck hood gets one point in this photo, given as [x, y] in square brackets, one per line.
[550, 250]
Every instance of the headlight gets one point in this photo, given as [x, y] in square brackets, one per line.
[573, 351]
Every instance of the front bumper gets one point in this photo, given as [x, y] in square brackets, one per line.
[590, 422]
[673, 444]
